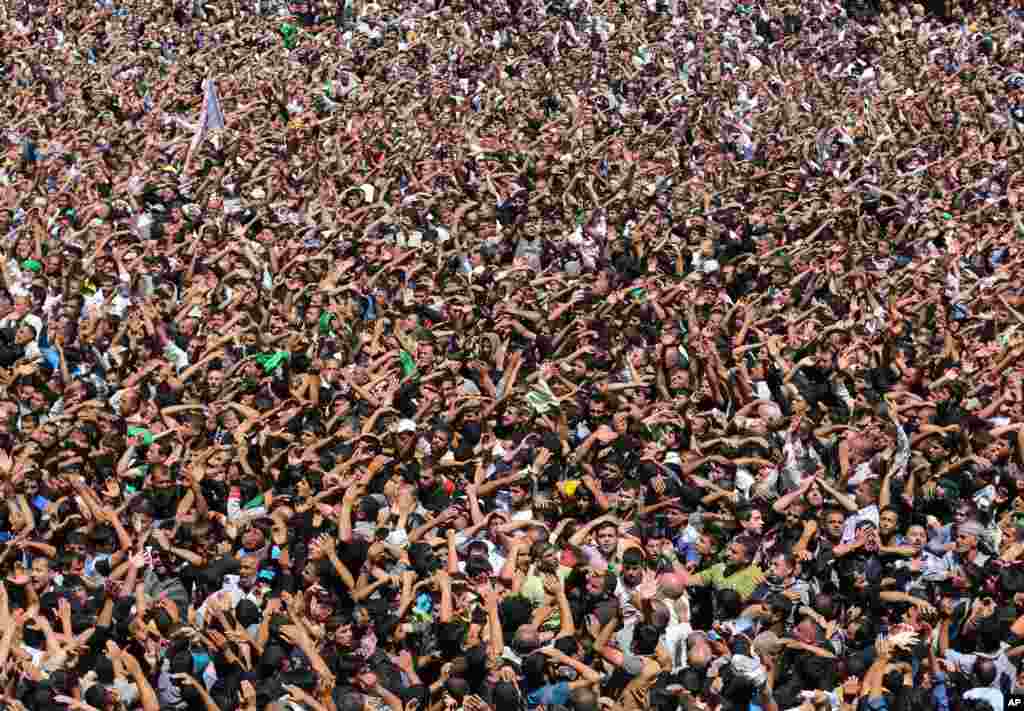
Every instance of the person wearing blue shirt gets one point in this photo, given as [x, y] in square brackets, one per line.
[542, 690]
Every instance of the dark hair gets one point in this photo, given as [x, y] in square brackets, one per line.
[351, 702]
[855, 666]
[875, 487]
[787, 556]
[749, 545]
[514, 612]
[825, 605]
[533, 670]
[989, 634]
[728, 604]
[984, 671]
[780, 605]
[505, 697]
[584, 699]
[633, 557]
[645, 639]
[829, 510]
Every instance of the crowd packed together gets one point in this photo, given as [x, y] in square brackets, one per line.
[511, 355]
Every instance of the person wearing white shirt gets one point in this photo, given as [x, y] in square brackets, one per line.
[990, 666]
[866, 498]
[993, 696]
[235, 588]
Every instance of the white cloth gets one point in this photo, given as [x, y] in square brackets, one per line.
[625, 595]
[494, 556]
[18, 280]
[868, 513]
[965, 663]
[236, 594]
[168, 691]
[674, 641]
[118, 306]
[993, 696]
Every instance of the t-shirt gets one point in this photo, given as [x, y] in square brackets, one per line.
[549, 695]
[868, 513]
[494, 556]
[673, 639]
[744, 581]
[533, 585]
[965, 662]
[993, 696]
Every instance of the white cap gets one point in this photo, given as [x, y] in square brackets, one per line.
[405, 425]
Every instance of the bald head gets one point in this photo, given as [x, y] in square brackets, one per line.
[806, 631]
[527, 636]
[670, 585]
[584, 700]
[698, 652]
[985, 671]
[660, 614]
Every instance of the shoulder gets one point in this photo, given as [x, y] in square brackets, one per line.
[550, 694]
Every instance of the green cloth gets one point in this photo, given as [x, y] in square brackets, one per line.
[325, 322]
[533, 586]
[271, 361]
[147, 436]
[408, 365]
[290, 34]
[743, 581]
[541, 398]
[950, 487]
[32, 265]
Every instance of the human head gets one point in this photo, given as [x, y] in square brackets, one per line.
[741, 550]
[867, 492]
[782, 567]
[888, 522]
[834, 520]
[545, 556]
[751, 520]
[40, 574]
[670, 586]
[606, 536]
[645, 639]
[584, 699]
[967, 536]
[248, 568]
[632, 566]
[984, 671]
[916, 536]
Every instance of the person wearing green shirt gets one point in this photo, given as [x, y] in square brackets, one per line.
[737, 573]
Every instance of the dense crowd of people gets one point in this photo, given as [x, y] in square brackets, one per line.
[511, 355]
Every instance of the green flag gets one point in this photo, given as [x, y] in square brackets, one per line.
[408, 364]
[271, 361]
[290, 33]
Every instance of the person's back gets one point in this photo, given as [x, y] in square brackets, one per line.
[584, 700]
[985, 675]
